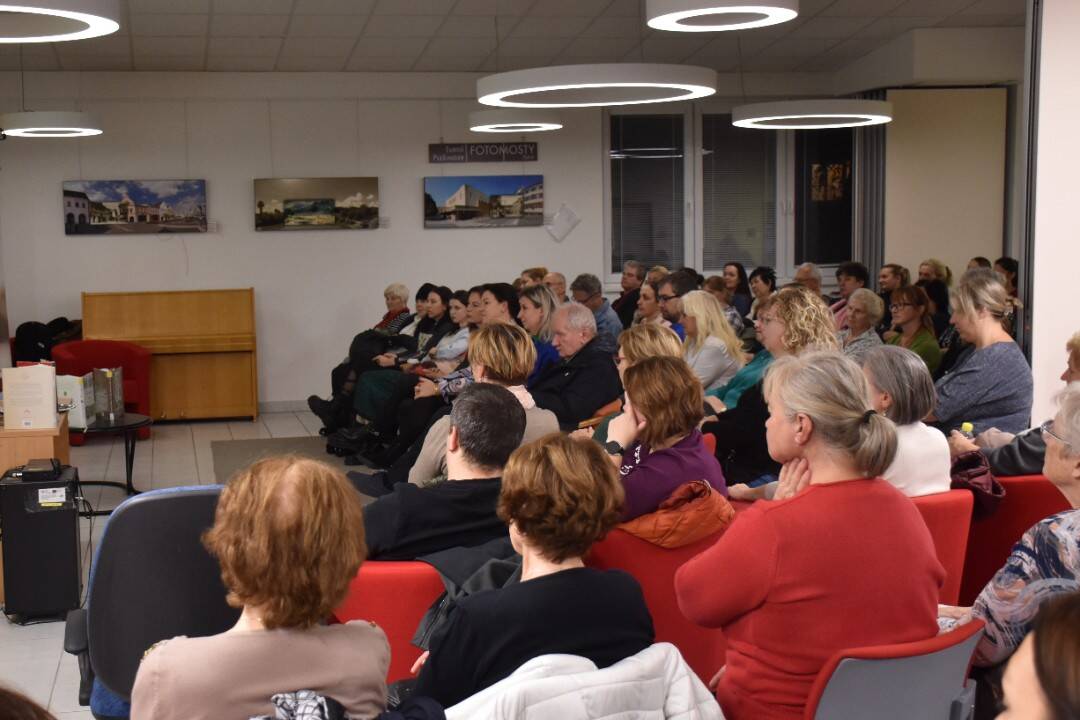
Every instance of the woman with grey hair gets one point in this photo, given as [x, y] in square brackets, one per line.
[902, 390]
[865, 310]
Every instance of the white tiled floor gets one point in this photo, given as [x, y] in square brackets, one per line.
[32, 658]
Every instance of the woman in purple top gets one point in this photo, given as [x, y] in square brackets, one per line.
[655, 443]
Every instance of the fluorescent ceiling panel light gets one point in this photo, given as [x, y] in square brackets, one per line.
[48, 124]
[812, 114]
[514, 121]
[41, 21]
[598, 85]
[717, 15]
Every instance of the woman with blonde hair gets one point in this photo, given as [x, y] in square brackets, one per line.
[840, 550]
[934, 269]
[713, 350]
[992, 386]
[289, 536]
[795, 319]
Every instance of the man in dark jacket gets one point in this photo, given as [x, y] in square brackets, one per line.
[486, 425]
[633, 275]
[586, 379]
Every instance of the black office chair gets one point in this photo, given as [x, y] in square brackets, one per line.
[151, 580]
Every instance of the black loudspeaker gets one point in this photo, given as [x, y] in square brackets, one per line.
[42, 562]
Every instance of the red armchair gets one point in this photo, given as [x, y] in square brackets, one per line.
[393, 595]
[1028, 499]
[82, 356]
[654, 568]
[948, 516]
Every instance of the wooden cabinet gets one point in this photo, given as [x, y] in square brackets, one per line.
[204, 361]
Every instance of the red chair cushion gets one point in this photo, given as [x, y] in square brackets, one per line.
[948, 516]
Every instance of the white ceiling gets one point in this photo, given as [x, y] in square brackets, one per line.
[459, 35]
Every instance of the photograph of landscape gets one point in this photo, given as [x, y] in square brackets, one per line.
[344, 203]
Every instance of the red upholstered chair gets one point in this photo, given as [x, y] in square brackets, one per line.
[925, 679]
[654, 568]
[948, 515]
[393, 595]
[710, 442]
[1028, 499]
[82, 356]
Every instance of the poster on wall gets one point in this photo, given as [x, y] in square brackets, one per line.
[119, 207]
[483, 201]
[341, 203]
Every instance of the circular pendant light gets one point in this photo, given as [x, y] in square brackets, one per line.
[717, 15]
[600, 85]
[514, 121]
[812, 114]
[40, 21]
[49, 124]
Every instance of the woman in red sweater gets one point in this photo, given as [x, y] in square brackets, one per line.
[840, 558]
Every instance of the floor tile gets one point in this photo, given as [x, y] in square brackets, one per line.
[285, 425]
[243, 430]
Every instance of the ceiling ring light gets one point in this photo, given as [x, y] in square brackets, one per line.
[40, 21]
[514, 121]
[596, 85]
[812, 114]
[717, 15]
[49, 124]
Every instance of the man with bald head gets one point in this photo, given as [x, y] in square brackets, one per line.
[556, 283]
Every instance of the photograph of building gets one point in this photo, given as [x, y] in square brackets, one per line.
[97, 207]
[483, 201]
[344, 203]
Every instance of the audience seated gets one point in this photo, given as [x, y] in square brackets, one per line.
[1009, 269]
[501, 354]
[586, 290]
[891, 277]
[850, 276]
[940, 309]
[585, 379]
[536, 314]
[559, 496]
[911, 314]
[656, 274]
[289, 535]
[397, 314]
[715, 286]
[1023, 453]
[533, 276]
[499, 303]
[1042, 681]
[648, 307]
[454, 344]
[486, 425]
[795, 320]
[671, 290]
[655, 442]
[842, 559]
[934, 269]
[762, 285]
[633, 275]
[979, 262]
[865, 310]
[738, 286]
[556, 283]
[1045, 562]
[992, 386]
[713, 350]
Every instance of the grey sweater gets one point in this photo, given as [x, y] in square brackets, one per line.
[991, 388]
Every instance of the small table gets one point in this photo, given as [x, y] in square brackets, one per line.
[128, 424]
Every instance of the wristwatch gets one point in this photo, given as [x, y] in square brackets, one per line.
[614, 448]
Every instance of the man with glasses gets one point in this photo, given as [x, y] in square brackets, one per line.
[586, 289]
[892, 277]
[672, 288]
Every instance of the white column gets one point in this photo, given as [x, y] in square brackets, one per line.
[1056, 286]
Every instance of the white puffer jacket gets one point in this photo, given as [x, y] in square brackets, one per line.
[655, 684]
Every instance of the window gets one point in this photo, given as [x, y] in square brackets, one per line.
[738, 194]
[647, 190]
[823, 196]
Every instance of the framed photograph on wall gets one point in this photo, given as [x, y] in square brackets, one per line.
[132, 207]
[343, 203]
[483, 201]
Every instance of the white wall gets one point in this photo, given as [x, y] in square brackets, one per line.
[945, 175]
[314, 290]
[1057, 240]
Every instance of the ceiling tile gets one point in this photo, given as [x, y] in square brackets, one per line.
[461, 47]
[672, 47]
[172, 63]
[333, 7]
[474, 26]
[623, 8]
[244, 46]
[961, 20]
[327, 25]
[302, 63]
[318, 47]
[95, 62]
[29, 49]
[169, 6]
[492, 7]
[218, 63]
[533, 46]
[887, 28]
[253, 7]
[429, 63]
[596, 50]
[613, 27]
[550, 26]
[830, 28]
[380, 64]
[413, 7]
[750, 42]
[507, 64]
[923, 8]
[248, 25]
[402, 25]
[105, 45]
[173, 24]
[861, 8]
[389, 47]
[569, 8]
[168, 46]
[40, 62]
[996, 7]
[774, 64]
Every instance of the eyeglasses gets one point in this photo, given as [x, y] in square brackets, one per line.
[665, 298]
[896, 306]
[1047, 428]
[764, 320]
